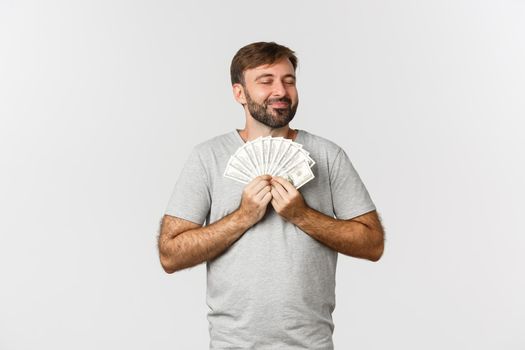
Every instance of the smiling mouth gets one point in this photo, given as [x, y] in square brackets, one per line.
[279, 104]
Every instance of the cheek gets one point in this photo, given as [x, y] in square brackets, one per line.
[260, 96]
[295, 99]
[264, 98]
[292, 92]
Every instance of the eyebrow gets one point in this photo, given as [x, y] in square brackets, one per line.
[271, 75]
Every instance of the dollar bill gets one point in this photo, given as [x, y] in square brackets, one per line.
[300, 174]
[274, 156]
[234, 174]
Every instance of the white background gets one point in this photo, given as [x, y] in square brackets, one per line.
[101, 101]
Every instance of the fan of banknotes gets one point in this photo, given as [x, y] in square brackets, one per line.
[274, 156]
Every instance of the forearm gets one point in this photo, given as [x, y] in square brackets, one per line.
[349, 237]
[192, 247]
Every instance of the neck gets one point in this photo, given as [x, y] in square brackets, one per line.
[254, 129]
[249, 134]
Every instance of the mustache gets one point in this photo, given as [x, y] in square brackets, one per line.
[282, 99]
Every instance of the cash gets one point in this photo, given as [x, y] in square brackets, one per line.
[274, 156]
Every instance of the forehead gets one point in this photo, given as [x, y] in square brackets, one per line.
[279, 68]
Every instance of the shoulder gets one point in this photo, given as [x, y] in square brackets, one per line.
[212, 145]
[207, 156]
[320, 143]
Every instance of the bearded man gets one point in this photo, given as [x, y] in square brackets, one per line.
[270, 249]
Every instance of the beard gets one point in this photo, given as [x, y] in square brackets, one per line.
[269, 116]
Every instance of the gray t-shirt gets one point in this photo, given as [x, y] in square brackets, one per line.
[274, 288]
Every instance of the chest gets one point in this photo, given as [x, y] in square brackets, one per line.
[226, 194]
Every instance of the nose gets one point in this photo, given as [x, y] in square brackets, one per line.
[278, 89]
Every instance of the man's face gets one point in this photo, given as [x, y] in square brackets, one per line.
[271, 94]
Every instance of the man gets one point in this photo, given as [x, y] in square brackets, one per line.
[271, 250]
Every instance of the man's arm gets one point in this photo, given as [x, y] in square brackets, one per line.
[184, 244]
[360, 237]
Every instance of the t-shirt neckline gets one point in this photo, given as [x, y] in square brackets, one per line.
[238, 136]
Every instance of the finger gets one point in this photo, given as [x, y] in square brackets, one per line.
[257, 180]
[275, 204]
[280, 189]
[265, 190]
[276, 195]
[264, 177]
[258, 186]
[267, 198]
[285, 183]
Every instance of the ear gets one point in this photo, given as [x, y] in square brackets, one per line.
[238, 93]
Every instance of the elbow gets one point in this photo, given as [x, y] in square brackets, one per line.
[377, 251]
[168, 270]
[376, 255]
[167, 265]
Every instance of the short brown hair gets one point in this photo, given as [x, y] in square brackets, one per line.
[258, 54]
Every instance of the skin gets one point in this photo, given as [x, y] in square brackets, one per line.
[183, 244]
[267, 82]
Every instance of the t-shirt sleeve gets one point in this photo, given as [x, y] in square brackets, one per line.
[349, 195]
[190, 199]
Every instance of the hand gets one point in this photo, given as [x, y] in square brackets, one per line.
[286, 200]
[255, 198]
